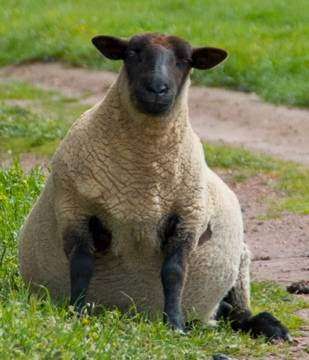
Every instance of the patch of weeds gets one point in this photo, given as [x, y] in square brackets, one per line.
[18, 122]
[18, 90]
[228, 157]
[268, 295]
[17, 193]
[38, 124]
[294, 180]
[291, 179]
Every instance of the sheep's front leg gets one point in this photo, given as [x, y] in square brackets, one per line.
[176, 245]
[81, 259]
[80, 248]
[81, 271]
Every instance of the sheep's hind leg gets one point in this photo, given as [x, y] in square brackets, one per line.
[235, 307]
[176, 246]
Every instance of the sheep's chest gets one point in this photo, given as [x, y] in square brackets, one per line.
[134, 201]
[135, 220]
[130, 269]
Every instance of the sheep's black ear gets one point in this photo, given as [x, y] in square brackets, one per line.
[207, 57]
[111, 47]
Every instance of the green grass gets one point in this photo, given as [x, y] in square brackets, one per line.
[268, 41]
[17, 90]
[31, 326]
[288, 177]
[17, 122]
[33, 119]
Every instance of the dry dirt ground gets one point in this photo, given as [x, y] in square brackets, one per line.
[280, 247]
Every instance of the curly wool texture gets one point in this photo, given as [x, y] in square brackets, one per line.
[131, 170]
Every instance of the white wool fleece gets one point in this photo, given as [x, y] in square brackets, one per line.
[131, 170]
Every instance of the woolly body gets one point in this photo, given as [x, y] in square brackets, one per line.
[132, 170]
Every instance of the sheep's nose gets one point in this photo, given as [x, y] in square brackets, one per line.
[157, 87]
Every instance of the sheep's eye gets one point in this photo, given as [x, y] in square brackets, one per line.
[131, 53]
[182, 63]
[134, 55]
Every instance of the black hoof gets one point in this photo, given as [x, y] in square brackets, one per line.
[178, 327]
[265, 324]
[224, 311]
[84, 309]
[175, 323]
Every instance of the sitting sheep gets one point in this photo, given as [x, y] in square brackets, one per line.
[131, 213]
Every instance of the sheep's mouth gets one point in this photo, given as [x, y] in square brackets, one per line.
[154, 106]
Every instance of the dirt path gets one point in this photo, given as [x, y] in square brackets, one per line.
[280, 246]
[216, 114]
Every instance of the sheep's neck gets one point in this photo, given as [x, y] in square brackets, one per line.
[142, 137]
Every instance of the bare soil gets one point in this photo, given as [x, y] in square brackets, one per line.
[280, 246]
[216, 114]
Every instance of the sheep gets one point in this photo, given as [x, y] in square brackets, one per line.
[131, 213]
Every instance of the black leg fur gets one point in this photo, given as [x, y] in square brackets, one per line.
[101, 236]
[262, 324]
[265, 324]
[173, 276]
[80, 251]
[81, 271]
[176, 247]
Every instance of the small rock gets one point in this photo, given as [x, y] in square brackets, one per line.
[221, 357]
[262, 258]
[299, 287]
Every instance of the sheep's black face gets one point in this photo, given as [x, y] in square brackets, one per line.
[157, 66]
